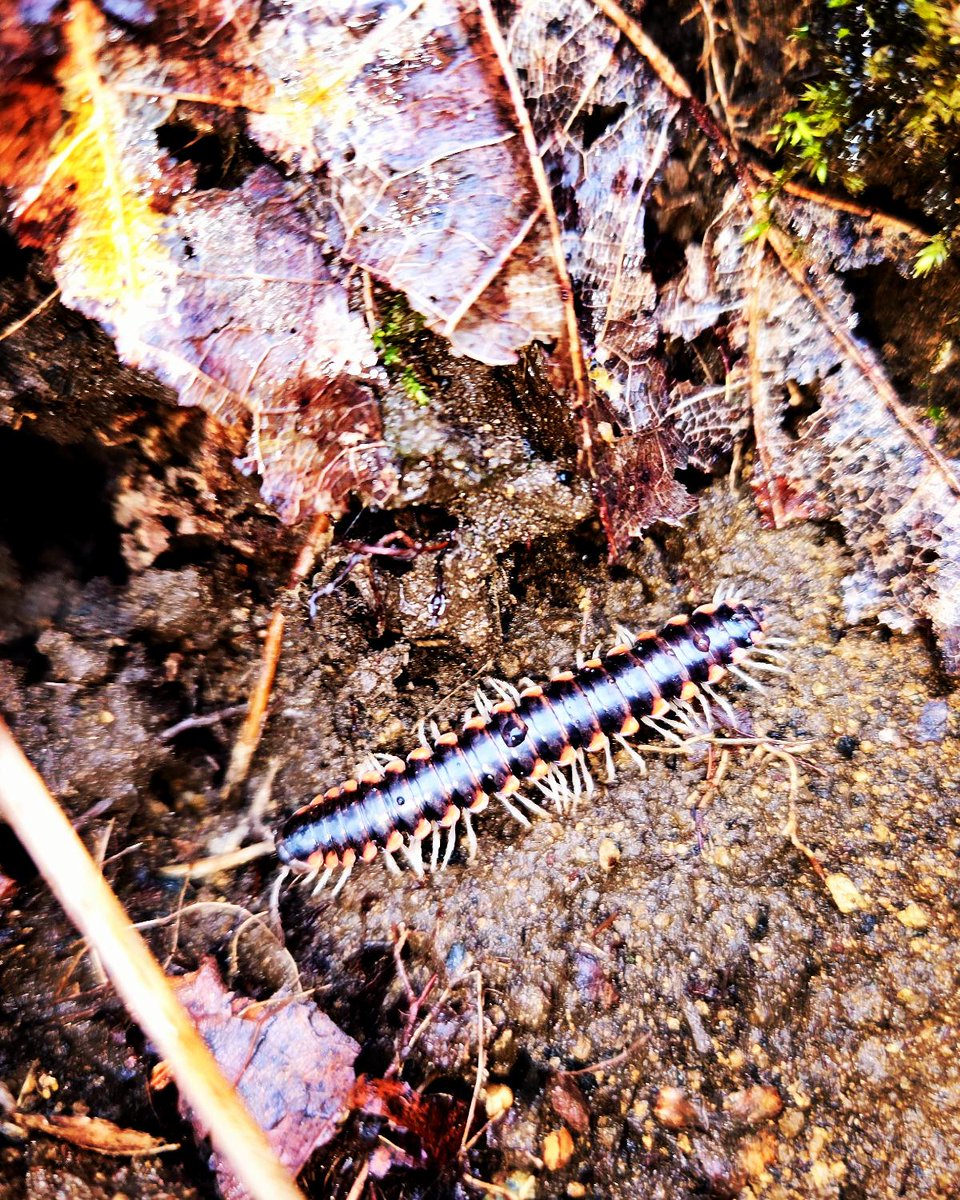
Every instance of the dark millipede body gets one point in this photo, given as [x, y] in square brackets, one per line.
[530, 735]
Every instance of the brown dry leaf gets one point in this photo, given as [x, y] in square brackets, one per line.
[405, 109]
[96, 1134]
[606, 125]
[435, 1120]
[569, 1103]
[833, 438]
[222, 294]
[290, 1063]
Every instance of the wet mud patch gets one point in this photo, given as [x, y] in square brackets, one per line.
[761, 1039]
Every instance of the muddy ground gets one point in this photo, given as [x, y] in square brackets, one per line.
[677, 932]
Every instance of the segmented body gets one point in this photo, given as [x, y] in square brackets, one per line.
[524, 738]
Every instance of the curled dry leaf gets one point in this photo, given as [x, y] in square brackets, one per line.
[291, 1064]
[96, 1134]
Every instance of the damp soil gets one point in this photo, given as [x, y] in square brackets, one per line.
[664, 925]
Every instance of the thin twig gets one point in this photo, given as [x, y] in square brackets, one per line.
[614, 1061]
[249, 737]
[574, 345]
[202, 868]
[492, 1189]
[37, 309]
[71, 874]
[356, 1189]
[674, 82]
[201, 722]
[481, 1066]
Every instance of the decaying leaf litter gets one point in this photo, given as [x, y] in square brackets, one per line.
[467, 466]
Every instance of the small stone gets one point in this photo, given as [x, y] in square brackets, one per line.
[609, 854]
[576, 1190]
[846, 895]
[497, 1100]
[673, 1110]
[569, 1104]
[754, 1104]
[521, 1184]
[557, 1148]
[913, 916]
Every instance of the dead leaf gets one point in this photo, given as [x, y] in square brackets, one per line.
[606, 125]
[405, 110]
[834, 440]
[223, 294]
[96, 1134]
[291, 1064]
[436, 1120]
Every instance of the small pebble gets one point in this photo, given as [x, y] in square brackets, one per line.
[497, 1100]
[754, 1104]
[673, 1110]
[846, 895]
[557, 1148]
[608, 853]
[913, 916]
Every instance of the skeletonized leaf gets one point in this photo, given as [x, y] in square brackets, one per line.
[833, 437]
[606, 125]
[222, 294]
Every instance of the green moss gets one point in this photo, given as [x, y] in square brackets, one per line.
[400, 326]
[884, 109]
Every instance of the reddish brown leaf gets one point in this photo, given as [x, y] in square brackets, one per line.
[288, 1060]
[435, 1120]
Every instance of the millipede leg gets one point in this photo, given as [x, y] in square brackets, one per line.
[632, 751]
[322, 881]
[611, 769]
[747, 679]
[451, 842]
[588, 785]
[506, 691]
[513, 810]
[391, 863]
[471, 836]
[757, 664]
[722, 702]
[414, 856]
[344, 876]
[531, 805]
[435, 847]
[555, 787]
[667, 734]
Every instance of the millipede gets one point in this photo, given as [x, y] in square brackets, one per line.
[661, 681]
